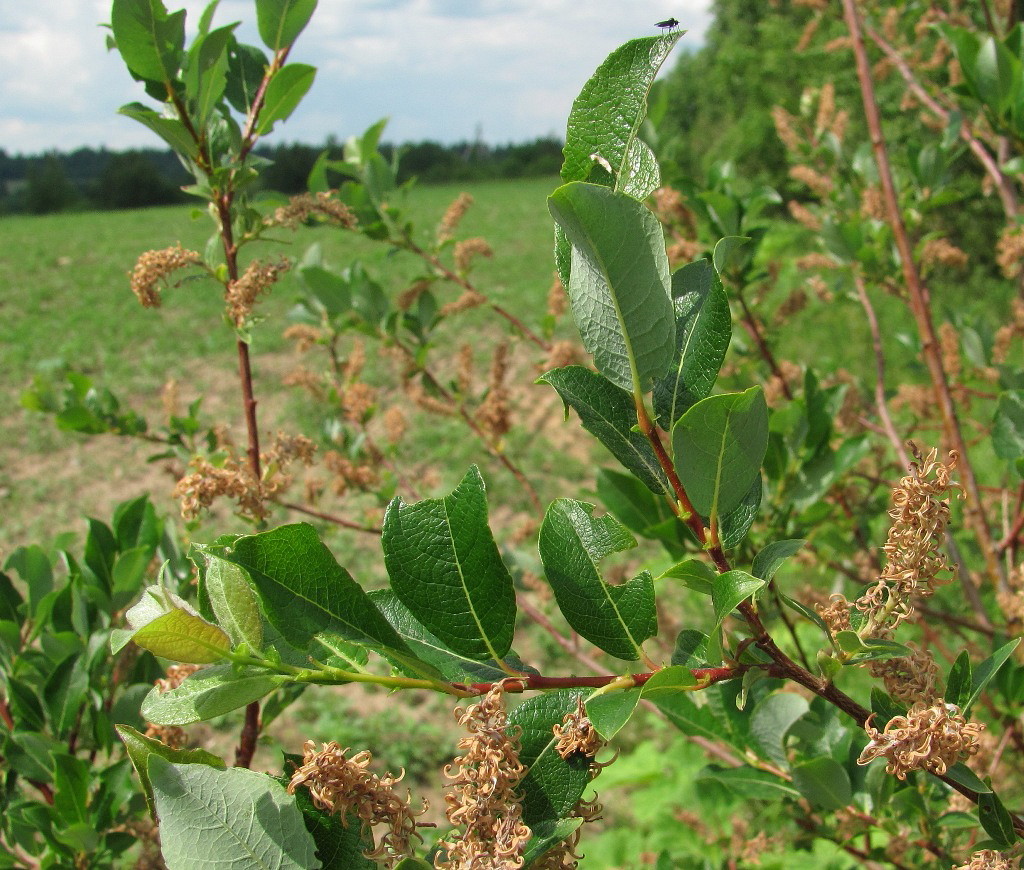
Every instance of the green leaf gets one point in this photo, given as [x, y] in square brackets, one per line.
[691, 648]
[305, 591]
[64, 693]
[245, 819]
[729, 252]
[639, 509]
[985, 671]
[824, 782]
[150, 41]
[962, 774]
[128, 574]
[573, 542]
[668, 681]
[231, 597]
[169, 627]
[996, 820]
[770, 559]
[1008, 425]
[552, 785]
[445, 567]
[749, 782]
[958, 683]
[609, 712]
[770, 721]
[703, 333]
[140, 748]
[414, 863]
[206, 75]
[719, 445]
[609, 414]
[619, 284]
[546, 835]
[281, 21]
[209, 692]
[246, 66]
[340, 843]
[606, 117]
[693, 574]
[171, 130]
[284, 92]
[71, 790]
[450, 665]
[734, 525]
[35, 570]
[729, 589]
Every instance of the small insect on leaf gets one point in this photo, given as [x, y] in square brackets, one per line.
[668, 24]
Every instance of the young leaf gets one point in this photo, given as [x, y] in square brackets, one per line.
[693, 574]
[445, 567]
[703, 333]
[140, 747]
[729, 590]
[172, 131]
[206, 75]
[150, 41]
[668, 681]
[771, 720]
[605, 118]
[573, 542]
[305, 591]
[168, 626]
[284, 92]
[770, 559]
[984, 672]
[610, 711]
[231, 597]
[609, 414]
[719, 445]
[246, 819]
[281, 21]
[619, 284]
[958, 683]
[207, 693]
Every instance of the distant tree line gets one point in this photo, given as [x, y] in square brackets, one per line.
[89, 178]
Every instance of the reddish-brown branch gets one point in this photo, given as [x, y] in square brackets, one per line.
[250, 731]
[704, 677]
[754, 330]
[249, 135]
[917, 294]
[330, 518]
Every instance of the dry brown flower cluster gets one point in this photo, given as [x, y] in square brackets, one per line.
[683, 251]
[173, 736]
[931, 737]
[914, 564]
[790, 373]
[819, 184]
[1011, 599]
[986, 859]
[308, 380]
[453, 216]
[493, 414]
[419, 397]
[919, 399]
[1008, 332]
[348, 474]
[395, 424]
[872, 205]
[290, 448]
[944, 253]
[169, 398]
[909, 679]
[576, 734]
[467, 249]
[562, 353]
[304, 336]
[835, 614]
[468, 299]
[803, 215]
[153, 267]
[175, 676]
[482, 798]
[794, 303]
[346, 786]
[209, 482]
[358, 401]
[304, 206]
[557, 298]
[1009, 251]
[259, 277]
[408, 297]
[785, 128]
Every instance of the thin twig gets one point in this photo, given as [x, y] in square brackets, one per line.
[330, 518]
[917, 294]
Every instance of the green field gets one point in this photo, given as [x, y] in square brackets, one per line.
[65, 297]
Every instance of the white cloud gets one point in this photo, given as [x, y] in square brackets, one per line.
[437, 67]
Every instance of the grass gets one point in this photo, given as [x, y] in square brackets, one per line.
[64, 296]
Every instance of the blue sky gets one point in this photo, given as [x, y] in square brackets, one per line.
[439, 69]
